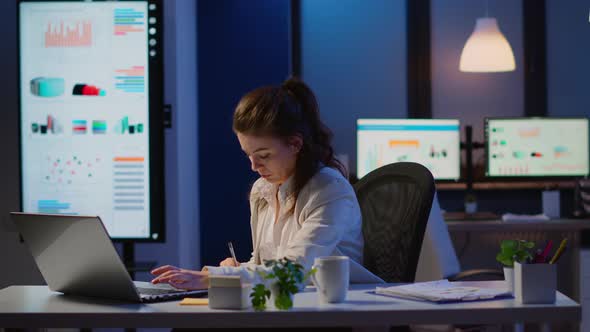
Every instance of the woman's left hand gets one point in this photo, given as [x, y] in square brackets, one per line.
[182, 278]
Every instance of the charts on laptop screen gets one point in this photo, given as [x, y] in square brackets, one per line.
[90, 90]
[530, 147]
[432, 143]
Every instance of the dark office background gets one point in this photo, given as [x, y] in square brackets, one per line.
[354, 54]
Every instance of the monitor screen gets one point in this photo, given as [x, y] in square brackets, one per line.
[532, 147]
[90, 90]
[431, 142]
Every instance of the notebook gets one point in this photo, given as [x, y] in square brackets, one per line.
[441, 291]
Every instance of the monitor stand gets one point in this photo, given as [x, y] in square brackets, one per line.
[129, 260]
[469, 146]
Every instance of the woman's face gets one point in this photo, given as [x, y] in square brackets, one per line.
[272, 158]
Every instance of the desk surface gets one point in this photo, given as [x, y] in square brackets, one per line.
[509, 226]
[36, 306]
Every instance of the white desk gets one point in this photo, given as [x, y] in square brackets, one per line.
[480, 238]
[497, 225]
[36, 306]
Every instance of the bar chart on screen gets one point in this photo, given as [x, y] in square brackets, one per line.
[68, 33]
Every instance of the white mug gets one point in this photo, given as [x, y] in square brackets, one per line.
[331, 278]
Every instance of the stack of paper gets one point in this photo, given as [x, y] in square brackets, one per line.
[441, 291]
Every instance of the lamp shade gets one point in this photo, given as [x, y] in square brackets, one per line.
[487, 50]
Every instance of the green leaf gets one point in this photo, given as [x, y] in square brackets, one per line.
[514, 250]
[259, 295]
[508, 244]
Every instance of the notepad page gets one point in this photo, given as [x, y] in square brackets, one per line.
[441, 291]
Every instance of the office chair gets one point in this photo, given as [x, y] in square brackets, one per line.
[395, 203]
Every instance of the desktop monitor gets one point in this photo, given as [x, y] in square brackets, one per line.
[91, 129]
[536, 147]
[434, 143]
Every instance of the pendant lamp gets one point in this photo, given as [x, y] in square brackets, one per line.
[487, 50]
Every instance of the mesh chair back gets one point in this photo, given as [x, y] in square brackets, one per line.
[395, 202]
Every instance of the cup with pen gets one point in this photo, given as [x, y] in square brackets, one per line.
[535, 277]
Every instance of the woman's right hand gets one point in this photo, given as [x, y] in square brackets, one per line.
[181, 278]
[228, 262]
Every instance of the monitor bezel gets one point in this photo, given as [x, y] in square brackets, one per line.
[520, 178]
[156, 117]
[446, 180]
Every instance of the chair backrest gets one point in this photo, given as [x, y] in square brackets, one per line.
[438, 259]
[395, 202]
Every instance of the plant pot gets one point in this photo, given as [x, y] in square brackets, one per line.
[274, 291]
[509, 277]
[470, 207]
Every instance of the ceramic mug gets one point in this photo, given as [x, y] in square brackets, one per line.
[331, 278]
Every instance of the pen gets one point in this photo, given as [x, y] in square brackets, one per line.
[543, 256]
[233, 253]
[559, 251]
[538, 256]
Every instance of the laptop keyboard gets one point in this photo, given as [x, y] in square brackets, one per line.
[156, 291]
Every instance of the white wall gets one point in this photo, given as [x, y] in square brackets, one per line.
[354, 58]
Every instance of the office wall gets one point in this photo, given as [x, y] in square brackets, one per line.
[568, 54]
[242, 45]
[353, 56]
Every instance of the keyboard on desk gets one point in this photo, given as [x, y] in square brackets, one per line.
[458, 216]
[162, 294]
[157, 291]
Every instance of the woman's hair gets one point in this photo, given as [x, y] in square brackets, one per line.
[285, 111]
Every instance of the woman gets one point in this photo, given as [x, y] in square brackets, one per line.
[302, 206]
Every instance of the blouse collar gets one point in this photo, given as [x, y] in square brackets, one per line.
[268, 190]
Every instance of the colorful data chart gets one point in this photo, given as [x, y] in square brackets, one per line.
[47, 86]
[514, 169]
[79, 127]
[51, 126]
[129, 180]
[130, 80]
[124, 126]
[128, 20]
[74, 34]
[99, 127]
[71, 169]
[82, 89]
[53, 206]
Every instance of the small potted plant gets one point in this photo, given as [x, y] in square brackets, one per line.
[285, 277]
[513, 251]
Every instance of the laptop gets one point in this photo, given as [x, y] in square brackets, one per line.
[76, 257]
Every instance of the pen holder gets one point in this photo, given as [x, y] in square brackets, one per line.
[535, 283]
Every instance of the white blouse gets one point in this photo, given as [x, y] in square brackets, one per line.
[326, 221]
